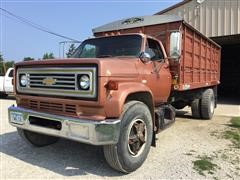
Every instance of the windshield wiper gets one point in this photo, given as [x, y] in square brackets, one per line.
[104, 56]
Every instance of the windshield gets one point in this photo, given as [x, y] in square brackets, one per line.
[127, 45]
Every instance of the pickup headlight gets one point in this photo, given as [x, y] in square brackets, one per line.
[84, 82]
[23, 80]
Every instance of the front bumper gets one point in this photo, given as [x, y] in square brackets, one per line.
[87, 131]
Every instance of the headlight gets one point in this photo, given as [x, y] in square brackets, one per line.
[23, 80]
[84, 82]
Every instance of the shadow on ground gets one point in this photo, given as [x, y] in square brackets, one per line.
[67, 158]
[184, 114]
[9, 97]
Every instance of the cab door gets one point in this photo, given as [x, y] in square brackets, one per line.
[159, 77]
[8, 87]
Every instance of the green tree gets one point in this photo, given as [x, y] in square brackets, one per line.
[1, 57]
[71, 50]
[2, 67]
[9, 64]
[28, 59]
[48, 56]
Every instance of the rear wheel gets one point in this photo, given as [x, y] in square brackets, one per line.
[196, 108]
[207, 104]
[36, 139]
[135, 138]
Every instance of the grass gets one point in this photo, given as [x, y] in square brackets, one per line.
[204, 164]
[235, 122]
[233, 134]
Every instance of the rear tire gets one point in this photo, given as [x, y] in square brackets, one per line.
[207, 104]
[134, 141]
[36, 139]
[196, 108]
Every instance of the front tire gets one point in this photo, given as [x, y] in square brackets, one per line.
[135, 138]
[36, 139]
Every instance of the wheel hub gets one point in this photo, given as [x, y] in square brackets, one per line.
[137, 137]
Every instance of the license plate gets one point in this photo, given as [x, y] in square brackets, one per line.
[16, 117]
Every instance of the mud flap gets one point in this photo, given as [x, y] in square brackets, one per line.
[165, 116]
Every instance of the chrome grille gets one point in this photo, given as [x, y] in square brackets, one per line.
[57, 81]
[65, 81]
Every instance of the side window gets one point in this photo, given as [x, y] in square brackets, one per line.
[154, 50]
[11, 73]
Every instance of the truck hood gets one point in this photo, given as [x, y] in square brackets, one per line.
[118, 67]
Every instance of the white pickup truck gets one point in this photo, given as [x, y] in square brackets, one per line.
[6, 86]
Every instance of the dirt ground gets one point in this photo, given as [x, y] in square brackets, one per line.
[178, 148]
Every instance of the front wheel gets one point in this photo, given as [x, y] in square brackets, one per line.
[135, 138]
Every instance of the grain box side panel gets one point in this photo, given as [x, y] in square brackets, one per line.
[200, 61]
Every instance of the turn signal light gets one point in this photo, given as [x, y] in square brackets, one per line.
[112, 85]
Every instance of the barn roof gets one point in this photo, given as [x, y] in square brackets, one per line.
[173, 7]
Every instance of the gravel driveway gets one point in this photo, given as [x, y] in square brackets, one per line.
[177, 148]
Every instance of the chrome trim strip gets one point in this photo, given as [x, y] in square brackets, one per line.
[73, 92]
[87, 131]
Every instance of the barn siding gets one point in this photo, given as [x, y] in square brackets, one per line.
[212, 17]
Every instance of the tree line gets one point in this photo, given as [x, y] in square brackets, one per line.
[50, 55]
[4, 65]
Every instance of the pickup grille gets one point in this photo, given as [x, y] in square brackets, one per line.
[57, 81]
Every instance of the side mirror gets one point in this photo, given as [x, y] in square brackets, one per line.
[145, 57]
[175, 45]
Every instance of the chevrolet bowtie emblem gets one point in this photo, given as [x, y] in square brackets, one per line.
[49, 81]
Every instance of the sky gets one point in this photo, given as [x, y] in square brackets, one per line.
[73, 18]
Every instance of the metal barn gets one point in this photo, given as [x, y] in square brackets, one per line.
[219, 20]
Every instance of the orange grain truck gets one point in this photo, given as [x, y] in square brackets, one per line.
[120, 88]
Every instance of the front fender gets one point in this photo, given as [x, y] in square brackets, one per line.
[116, 98]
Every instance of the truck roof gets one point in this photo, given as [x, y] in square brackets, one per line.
[138, 21]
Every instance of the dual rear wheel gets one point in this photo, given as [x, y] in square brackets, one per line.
[203, 108]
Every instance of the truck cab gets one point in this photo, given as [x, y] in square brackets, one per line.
[145, 52]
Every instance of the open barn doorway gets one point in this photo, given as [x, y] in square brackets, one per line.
[229, 89]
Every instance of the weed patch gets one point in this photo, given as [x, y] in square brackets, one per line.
[235, 122]
[231, 133]
[204, 164]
